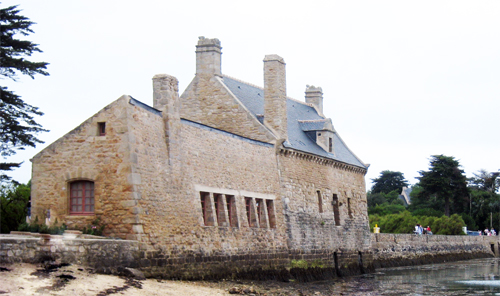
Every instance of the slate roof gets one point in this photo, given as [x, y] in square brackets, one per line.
[313, 125]
[300, 116]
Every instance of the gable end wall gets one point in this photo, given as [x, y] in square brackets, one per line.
[83, 155]
[208, 101]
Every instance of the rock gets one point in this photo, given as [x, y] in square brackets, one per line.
[131, 273]
[234, 290]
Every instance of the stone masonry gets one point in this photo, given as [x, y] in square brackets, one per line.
[226, 179]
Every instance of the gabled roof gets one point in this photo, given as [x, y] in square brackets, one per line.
[301, 117]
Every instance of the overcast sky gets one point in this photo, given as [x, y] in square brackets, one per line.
[402, 80]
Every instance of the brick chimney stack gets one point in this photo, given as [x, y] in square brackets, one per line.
[314, 95]
[208, 56]
[275, 95]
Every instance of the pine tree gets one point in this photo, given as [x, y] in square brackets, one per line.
[445, 182]
[17, 125]
[389, 181]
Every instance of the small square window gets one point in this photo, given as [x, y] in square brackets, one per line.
[101, 128]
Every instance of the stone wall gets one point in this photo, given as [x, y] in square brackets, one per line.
[83, 154]
[409, 249]
[206, 100]
[108, 256]
[310, 185]
[152, 195]
[214, 162]
[102, 254]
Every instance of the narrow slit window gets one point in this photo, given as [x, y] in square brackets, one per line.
[231, 211]
[320, 201]
[219, 209]
[270, 213]
[101, 128]
[205, 208]
[336, 211]
[330, 145]
[248, 207]
[260, 209]
[349, 207]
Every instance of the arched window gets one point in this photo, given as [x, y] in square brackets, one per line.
[81, 198]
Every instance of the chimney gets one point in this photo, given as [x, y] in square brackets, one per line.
[275, 95]
[208, 56]
[314, 95]
[165, 89]
[166, 99]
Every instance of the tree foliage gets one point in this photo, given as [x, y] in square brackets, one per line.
[404, 222]
[18, 127]
[386, 209]
[14, 199]
[444, 185]
[381, 198]
[485, 181]
[389, 181]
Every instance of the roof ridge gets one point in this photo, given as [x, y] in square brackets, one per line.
[261, 88]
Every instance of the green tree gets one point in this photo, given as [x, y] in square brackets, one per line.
[14, 199]
[445, 182]
[424, 206]
[386, 209]
[482, 204]
[389, 181]
[484, 180]
[18, 127]
[375, 199]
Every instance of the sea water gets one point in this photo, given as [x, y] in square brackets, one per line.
[472, 277]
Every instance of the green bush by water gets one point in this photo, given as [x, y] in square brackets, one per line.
[405, 222]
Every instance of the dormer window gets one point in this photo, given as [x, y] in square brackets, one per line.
[324, 139]
[319, 131]
[101, 128]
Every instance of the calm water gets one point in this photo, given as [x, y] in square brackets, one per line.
[473, 277]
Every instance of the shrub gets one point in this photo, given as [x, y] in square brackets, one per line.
[42, 228]
[95, 228]
[405, 222]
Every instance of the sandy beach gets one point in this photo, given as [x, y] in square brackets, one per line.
[29, 279]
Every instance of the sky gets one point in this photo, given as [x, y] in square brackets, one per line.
[402, 80]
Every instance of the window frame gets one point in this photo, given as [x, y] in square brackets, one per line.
[83, 196]
[249, 211]
[101, 129]
[270, 213]
[206, 205]
[231, 211]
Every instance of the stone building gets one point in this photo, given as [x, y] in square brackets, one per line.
[227, 178]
